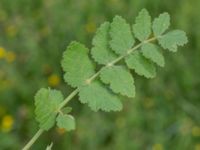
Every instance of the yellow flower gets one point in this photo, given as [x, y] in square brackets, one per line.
[2, 52]
[197, 146]
[11, 30]
[60, 131]
[196, 131]
[53, 80]
[157, 146]
[90, 27]
[10, 57]
[7, 123]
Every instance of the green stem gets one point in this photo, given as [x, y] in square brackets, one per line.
[119, 58]
[130, 51]
[40, 131]
[67, 99]
[34, 138]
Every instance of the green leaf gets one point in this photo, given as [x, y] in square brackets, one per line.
[151, 52]
[142, 26]
[101, 52]
[47, 102]
[66, 110]
[173, 39]
[77, 65]
[120, 80]
[99, 96]
[141, 65]
[161, 24]
[66, 122]
[120, 32]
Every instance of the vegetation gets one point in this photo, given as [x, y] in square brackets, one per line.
[144, 116]
[80, 70]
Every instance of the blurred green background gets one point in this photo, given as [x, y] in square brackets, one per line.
[165, 115]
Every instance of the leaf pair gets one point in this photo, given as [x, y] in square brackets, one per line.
[47, 102]
[79, 68]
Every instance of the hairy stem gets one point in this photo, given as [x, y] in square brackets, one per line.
[67, 99]
[88, 81]
[34, 138]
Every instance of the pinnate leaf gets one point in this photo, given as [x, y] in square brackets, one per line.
[121, 36]
[66, 122]
[47, 102]
[151, 52]
[77, 65]
[98, 96]
[141, 65]
[161, 24]
[173, 39]
[142, 26]
[101, 51]
[120, 80]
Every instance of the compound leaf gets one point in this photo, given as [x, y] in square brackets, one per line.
[161, 24]
[141, 65]
[173, 39]
[120, 80]
[142, 26]
[66, 122]
[120, 32]
[101, 51]
[99, 97]
[77, 65]
[47, 102]
[151, 51]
